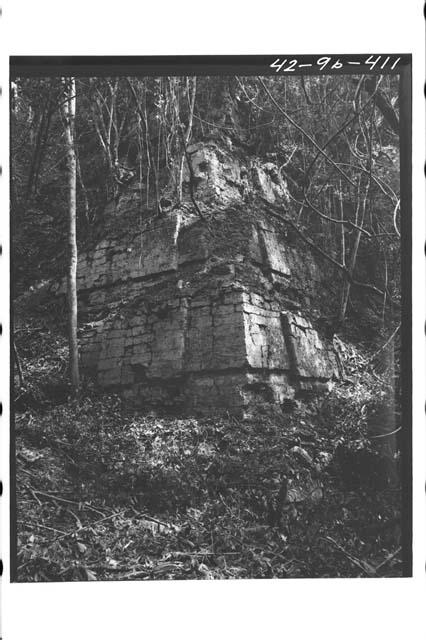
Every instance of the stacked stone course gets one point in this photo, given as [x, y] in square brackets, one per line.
[204, 316]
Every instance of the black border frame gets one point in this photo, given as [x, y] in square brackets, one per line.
[250, 65]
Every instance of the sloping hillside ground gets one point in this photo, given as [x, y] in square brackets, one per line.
[103, 494]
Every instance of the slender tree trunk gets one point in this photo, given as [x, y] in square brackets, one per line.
[353, 258]
[187, 136]
[69, 120]
[82, 185]
[149, 152]
[347, 285]
[36, 154]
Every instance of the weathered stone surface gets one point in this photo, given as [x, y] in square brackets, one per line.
[153, 250]
[192, 243]
[264, 339]
[217, 172]
[254, 245]
[230, 352]
[265, 388]
[311, 358]
[217, 392]
[158, 250]
[266, 177]
[274, 252]
[201, 316]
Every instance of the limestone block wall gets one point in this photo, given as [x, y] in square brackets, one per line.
[224, 352]
[264, 338]
[202, 317]
[157, 341]
[150, 250]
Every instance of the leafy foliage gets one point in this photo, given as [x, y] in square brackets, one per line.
[186, 499]
[104, 494]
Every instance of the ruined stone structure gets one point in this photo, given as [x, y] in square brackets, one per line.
[204, 315]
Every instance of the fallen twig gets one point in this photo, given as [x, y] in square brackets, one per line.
[29, 525]
[18, 365]
[76, 518]
[205, 553]
[33, 493]
[388, 559]
[136, 574]
[362, 564]
[84, 504]
[89, 526]
[145, 515]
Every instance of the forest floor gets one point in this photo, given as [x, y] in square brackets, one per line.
[103, 494]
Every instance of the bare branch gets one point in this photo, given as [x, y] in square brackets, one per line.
[275, 212]
[334, 220]
[304, 133]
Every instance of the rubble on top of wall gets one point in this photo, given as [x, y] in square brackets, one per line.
[220, 174]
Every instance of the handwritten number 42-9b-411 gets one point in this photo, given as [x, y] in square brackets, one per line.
[379, 62]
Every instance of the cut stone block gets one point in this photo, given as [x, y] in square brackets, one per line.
[158, 249]
[274, 252]
[309, 355]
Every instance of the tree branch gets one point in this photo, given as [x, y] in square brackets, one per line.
[344, 126]
[335, 220]
[355, 283]
[303, 132]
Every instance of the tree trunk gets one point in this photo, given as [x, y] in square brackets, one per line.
[82, 185]
[347, 284]
[69, 121]
[187, 137]
[35, 160]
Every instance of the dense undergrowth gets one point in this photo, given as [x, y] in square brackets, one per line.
[103, 494]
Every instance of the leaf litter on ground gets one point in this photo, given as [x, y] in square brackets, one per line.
[105, 496]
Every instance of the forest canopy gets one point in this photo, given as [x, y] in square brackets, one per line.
[335, 140]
